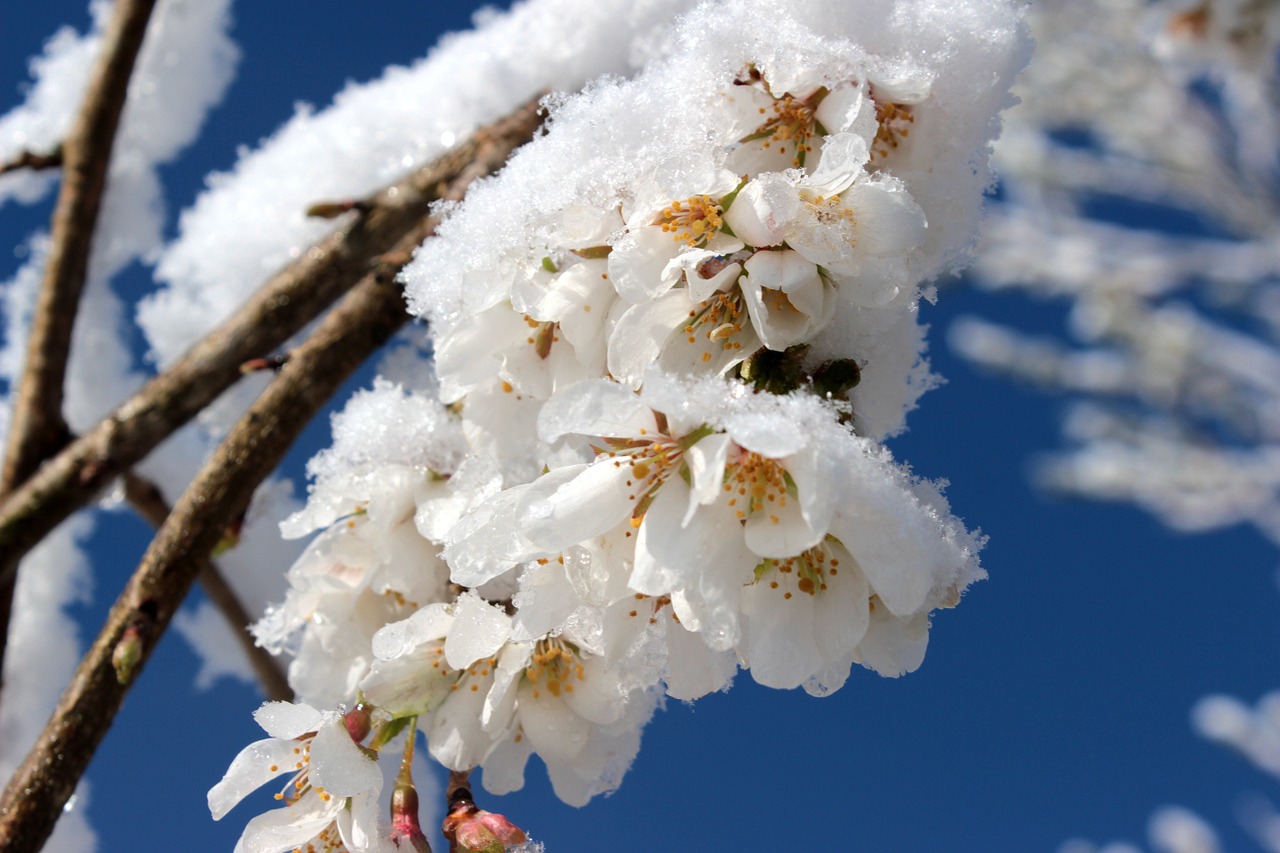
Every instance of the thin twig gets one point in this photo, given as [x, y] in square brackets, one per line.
[33, 160]
[364, 320]
[457, 791]
[147, 499]
[37, 429]
[458, 780]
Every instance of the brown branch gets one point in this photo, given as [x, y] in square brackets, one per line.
[288, 302]
[37, 429]
[364, 320]
[33, 161]
[151, 505]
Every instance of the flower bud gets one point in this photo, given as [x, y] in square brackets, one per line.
[127, 653]
[358, 722]
[474, 830]
[406, 832]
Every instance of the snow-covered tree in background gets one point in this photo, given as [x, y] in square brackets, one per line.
[635, 443]
[1140, 181]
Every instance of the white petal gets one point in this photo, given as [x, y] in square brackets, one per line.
[257, 764]
[582, 297]
[468, 354]
[827, 680]
[595, 409]
[597, 697]
[818, 477]
[598, 570]
[479, 629]
[486, 541]
[701, 289]
[637, 264]
[555, 732]
[504, 767]
[693, 670]
[545, 600]
[593, 502]
[400, 638]
[893, 554]
[889, 220]
[893, 645]
[766, 434]
[455, 734]
[288, 720]
[669, 553]
[794, 275]
[410, 684]
[843, 158]
[287, 828]
[760, 212]
[780, 531]
[706, 461]
[778, 638]
[360, 828]
[626, 635]
[339, 766]
[600, 766]
[641, 334]
[847, 108]
[500, 701]
[776, 321]
[841, 614]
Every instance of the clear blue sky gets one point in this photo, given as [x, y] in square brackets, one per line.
[1052, 703]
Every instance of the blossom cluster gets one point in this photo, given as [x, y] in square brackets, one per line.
[669, 342]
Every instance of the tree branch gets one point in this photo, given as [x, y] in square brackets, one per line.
[364, 320]
[37, 429]
[34, 161]
[151, 505]
[288, 302]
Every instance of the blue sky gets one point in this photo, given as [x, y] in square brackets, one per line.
[1053, 703]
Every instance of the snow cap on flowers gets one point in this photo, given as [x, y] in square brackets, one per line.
[670, 338]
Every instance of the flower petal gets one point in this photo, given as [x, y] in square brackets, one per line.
[595, 408]
[287, 719]
[479, 629]
[555, 732]
[894, 645]
[780, 532]
[592, 503]
[641, 334]
[288, 828]
[257, 764]
[339, 766]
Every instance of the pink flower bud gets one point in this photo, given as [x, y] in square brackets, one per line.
[358, 723]
[406, 832]
[474, 830]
